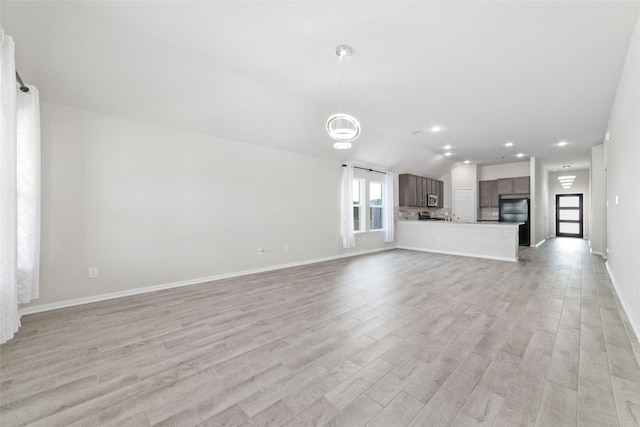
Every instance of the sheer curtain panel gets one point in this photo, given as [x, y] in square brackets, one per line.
[346, 207]
[388, 208]
[19, 193]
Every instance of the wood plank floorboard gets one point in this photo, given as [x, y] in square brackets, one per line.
[394, 338]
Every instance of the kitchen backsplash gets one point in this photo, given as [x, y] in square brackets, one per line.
[488, 213]
[412, 213]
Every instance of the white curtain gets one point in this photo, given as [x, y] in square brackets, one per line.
[19, 193]
[387, 209]
[346, 208]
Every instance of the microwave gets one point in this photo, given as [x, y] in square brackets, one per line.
[432, 200]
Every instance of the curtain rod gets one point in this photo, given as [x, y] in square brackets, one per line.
[23, 87]
[366, 169]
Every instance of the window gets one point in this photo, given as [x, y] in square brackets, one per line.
[375, 205]
[358, 220]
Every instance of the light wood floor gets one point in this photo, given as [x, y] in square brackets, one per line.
[389, 339]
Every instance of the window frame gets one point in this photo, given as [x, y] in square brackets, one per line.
[362, 220]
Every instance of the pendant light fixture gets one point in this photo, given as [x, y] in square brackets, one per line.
[342, 127]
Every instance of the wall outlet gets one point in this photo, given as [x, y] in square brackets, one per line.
[93, 272]
[260, 251]
[286, 248]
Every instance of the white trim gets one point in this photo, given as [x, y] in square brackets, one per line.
[635, 327]
[459, 254]
[137, 291]
[537, 245]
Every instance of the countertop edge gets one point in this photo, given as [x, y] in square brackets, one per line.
[449, 223]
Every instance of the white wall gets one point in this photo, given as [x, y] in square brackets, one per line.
[580, 185]
[505, 170]
[151, 205]
[539, 202]
[597, 212]
[622, 154]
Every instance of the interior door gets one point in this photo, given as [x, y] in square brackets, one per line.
[569, 215]
[464, 207]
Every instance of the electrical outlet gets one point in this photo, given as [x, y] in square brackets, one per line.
[93, 272]
[286, 248]
[260, 251]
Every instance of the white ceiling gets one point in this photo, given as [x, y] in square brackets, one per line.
[266, 72]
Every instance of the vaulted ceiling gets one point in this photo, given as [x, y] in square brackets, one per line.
[266, 72]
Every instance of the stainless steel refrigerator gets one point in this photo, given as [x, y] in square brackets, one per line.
[517, 210]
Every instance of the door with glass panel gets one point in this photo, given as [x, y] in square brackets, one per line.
[569, 215]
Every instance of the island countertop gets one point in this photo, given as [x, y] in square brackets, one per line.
[481, 222]
[499, 240]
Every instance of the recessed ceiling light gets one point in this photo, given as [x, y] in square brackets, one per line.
[448, 153]
[467, 161]
[509, 144]
[520, 155]
[562, 143]
[447, 147]
[436, 129]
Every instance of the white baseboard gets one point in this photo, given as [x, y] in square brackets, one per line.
[137, 291]
[627, 311]
[537, 245]
[459, 254]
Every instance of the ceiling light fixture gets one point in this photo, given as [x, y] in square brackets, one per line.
[343, 127]
[509, 144]
[562, 143]
[448, 153]
[520, 155]
[467, 162]
[447, 147]
[436, 129]
[566, 181]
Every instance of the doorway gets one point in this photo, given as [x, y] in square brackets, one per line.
[464, 207]
[569, 218]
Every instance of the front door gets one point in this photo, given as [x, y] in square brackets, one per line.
[569, 215]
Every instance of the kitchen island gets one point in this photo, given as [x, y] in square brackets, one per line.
[478, 239]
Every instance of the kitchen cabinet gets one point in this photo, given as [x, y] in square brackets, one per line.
[505, 186]
[408, 186]
[441, 194]
[521, 185]
[517, 185]
[420, 191]
[488, 194]
[413, 190]
[430, 185]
